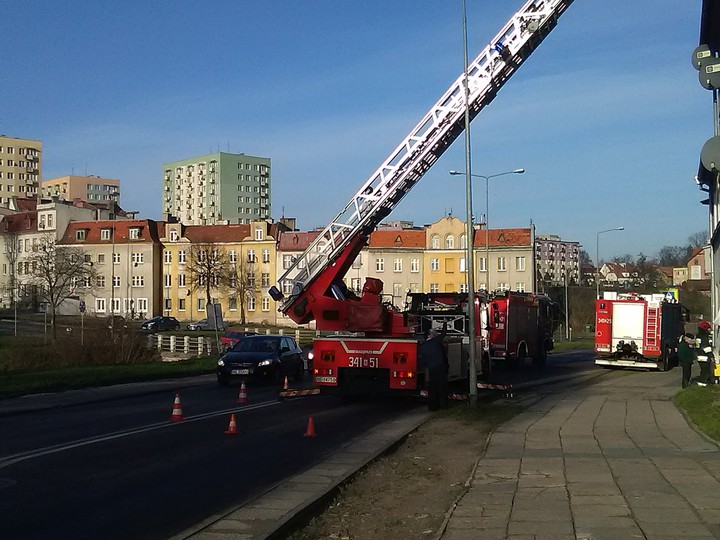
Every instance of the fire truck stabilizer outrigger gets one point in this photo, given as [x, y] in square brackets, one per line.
[379, 348]
[638, 331]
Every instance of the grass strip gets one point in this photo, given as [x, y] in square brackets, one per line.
[702, 405]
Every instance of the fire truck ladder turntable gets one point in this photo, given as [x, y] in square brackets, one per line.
[421, 148]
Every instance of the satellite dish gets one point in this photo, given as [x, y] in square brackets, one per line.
[710, 155]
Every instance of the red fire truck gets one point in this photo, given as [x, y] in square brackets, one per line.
[638, 331]
[375, 345]
[521, 326]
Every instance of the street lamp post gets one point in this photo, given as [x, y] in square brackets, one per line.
[487, 208]
[470, 263]
[597, 258]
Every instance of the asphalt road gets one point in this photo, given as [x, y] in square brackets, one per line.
[110, 464]
[120, 469]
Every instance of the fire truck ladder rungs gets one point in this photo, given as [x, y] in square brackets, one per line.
[652, 326]
[422, 147]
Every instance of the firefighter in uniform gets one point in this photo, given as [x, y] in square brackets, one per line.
[703, 344]
[433, 354]
[686, 357]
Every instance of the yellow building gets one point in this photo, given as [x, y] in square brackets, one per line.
[248, 252]
[444, 265]
[87, 188]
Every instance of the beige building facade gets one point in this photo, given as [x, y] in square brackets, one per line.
[20, 168]
[93, 189]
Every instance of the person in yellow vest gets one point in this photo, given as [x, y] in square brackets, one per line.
[703, 344]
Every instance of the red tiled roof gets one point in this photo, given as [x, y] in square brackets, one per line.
[503, 237]
[398, 238]
[296, 241]
[148, 231]
[25, 204]
[22, 221]
[198, 234]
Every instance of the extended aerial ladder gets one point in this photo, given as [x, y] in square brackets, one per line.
[313, 284]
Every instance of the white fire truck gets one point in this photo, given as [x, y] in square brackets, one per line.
[638, 331]
[376, 346]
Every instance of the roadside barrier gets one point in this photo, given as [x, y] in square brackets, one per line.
[242, 396]
[232, 426]
[177, 414]
[310, 431]
[298, 393]
[507, 388]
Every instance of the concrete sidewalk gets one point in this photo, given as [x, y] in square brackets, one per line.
[613, 460]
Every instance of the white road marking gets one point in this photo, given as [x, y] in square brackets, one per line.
[39, 452]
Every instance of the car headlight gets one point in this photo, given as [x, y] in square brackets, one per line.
[264, 363]
[310, 355]
[221, 362]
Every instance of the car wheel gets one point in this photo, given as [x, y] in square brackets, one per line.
[176, 327]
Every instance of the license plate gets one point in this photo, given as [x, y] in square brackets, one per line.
[240, 372]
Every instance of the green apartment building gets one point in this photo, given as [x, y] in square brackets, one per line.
[217, 189]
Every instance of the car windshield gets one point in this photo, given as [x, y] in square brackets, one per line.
[256, 345]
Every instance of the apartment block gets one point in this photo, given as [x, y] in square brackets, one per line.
[20, 168]
[556, 260]
[93, 189]
[218, 188]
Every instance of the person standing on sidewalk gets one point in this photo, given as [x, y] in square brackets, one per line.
[433, 354]
[703, 344]
[686, 357]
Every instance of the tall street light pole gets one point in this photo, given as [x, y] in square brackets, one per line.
[487, 208]
[597, 258]
[469, 264]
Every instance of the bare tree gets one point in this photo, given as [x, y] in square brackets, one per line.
[56, 271]
[242, 284]
[12, 249]
[698, 239]
[207, 269]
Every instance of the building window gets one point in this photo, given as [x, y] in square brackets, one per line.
[287, 261]
[138, 258]
[463, 241]
[520, 286]
[100, 305]
[116, 283]
[520, 264]
[233, 256]
[435, 265]
[100, 281]
[138, 281]
[258, 233]
[251, 255]
[380, 265]
[116, 258]
[266, 303]
[502, 264]
[434, 288]
[181, 304]
[181, 280]
[168, 280]
[463, 288]
[168, 304]
[503, 286]
[265, 279]
[397, 290]
[449, 242]
[266, 255]
[251, 303]
[174, 235]
[105, 234]
[415, 265]
[463, 265]
[167, 256]
[80, 235]
[435, 241]
[232, 303]
[397, 265]
[134, 233]
[181, 256]
[201, 304]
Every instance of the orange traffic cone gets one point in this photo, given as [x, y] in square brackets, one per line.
[285, 384]
[232, 426]
[242, 396]
[177, 414]
[310, 431]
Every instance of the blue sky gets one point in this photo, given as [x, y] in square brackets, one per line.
[607, 116]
